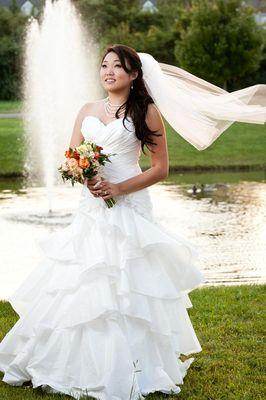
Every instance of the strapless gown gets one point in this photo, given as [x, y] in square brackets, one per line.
[104, 313]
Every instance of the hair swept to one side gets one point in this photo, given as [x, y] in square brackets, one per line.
[139, 98]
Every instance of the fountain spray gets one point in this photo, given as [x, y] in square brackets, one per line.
[60, 75]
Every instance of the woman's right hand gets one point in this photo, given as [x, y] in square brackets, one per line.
[91, 182]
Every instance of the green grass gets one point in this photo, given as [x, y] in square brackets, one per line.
[12, 147]
[241, 146]
[229, 324]
[10, 106]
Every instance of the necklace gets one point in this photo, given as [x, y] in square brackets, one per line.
[110, 109]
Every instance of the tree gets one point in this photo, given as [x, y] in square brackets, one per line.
[122, 21]
[11, 39]
[252, 78]
[101, 16]
[156, 41]
[222, 43]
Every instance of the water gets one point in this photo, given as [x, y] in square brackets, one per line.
[226, 221]
[60, 76]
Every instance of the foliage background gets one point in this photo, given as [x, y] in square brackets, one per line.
[217, 40]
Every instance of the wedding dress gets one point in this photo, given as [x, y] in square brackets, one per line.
[104, 313]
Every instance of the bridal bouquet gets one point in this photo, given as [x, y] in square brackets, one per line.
[83, 162]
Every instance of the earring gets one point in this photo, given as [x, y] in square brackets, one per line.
[131, 87]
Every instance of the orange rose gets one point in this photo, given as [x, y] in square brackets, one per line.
[68, 153]
[84, 163]
[96, 155]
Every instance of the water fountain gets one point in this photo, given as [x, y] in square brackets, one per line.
[60, 75]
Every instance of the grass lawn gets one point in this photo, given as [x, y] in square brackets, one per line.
[12, 147]
[10, 106]
[242, 145]
[229, 324]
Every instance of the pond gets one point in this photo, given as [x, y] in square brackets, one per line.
[223, 214]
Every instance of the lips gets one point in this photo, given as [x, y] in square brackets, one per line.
[109, 80]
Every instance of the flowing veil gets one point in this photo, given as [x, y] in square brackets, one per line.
[196, 109]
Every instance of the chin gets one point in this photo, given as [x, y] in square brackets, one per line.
[112, 90]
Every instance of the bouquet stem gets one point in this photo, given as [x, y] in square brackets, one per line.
[110, 202]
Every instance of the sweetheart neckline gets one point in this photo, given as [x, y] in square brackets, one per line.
[105, 125]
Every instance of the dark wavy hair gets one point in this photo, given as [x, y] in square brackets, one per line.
[138, 99]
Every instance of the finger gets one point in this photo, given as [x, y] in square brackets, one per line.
[91, 182]
[94, 191]
[106, 196]
[105, 188]
[97, 184]
[95, 195]
[98, 192]
[95, 179]
[90, 186]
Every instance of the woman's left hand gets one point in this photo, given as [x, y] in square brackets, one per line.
[106, 190]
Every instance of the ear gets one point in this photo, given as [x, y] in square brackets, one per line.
[135, 74]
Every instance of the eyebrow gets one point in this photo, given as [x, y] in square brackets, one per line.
[114, 60]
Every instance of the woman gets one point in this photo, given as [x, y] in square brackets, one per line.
[126, 95]
[105, 312]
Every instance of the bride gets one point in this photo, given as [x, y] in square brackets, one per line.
[104, 314]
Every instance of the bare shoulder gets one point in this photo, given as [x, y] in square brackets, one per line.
[86, 108]
[91, 108]
[153, 118]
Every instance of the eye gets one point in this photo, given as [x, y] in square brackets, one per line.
[103, 65]
[118, 65]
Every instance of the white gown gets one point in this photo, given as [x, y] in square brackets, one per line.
[105, 311]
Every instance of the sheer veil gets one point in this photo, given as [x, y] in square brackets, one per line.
[196, 109]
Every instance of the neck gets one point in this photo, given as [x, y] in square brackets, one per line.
[118, 98]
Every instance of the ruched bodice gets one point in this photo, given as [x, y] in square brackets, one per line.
[116, 138]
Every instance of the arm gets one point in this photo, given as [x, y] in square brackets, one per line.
[159, 161]
[77, 137]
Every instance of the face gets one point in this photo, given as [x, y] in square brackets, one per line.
[113, 76]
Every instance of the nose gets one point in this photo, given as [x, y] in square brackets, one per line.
[109, 71]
